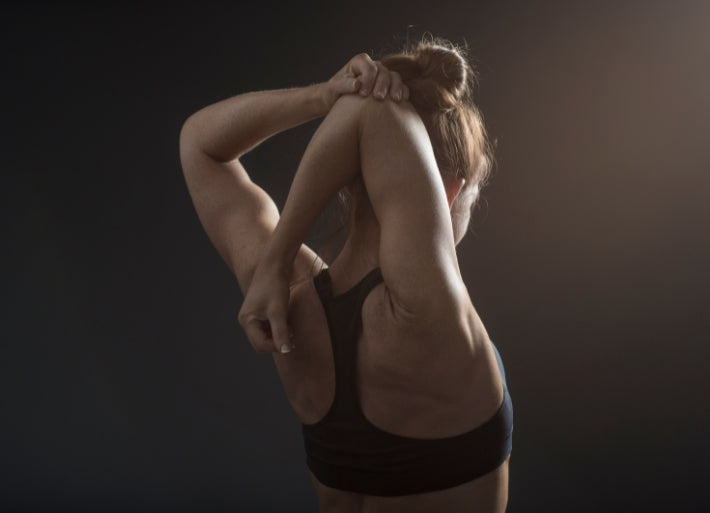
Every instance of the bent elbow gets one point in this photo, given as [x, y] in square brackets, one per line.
[187, 132]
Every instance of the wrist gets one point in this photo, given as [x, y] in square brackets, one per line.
[316, 96]
[278, 258]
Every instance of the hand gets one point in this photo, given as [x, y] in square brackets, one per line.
[363, 75]
[264, 311]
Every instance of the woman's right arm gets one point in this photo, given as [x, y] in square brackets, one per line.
[417, 249]
[237, 215]
[388, 143]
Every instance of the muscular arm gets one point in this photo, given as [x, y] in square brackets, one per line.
[389, 145]
[329, 163]
[238, 215]
[417, 249]
[229, 128]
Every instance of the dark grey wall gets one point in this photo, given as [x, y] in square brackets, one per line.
[125, 381]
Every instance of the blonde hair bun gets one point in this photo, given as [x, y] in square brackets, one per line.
[443, 65]
[441, 83]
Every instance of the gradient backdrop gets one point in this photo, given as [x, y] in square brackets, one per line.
[126, 383]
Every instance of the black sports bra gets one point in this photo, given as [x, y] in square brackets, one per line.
[345, 451]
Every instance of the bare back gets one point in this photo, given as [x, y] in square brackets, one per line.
[424, 367]
[411, 381]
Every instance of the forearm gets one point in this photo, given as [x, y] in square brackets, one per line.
[227, 129]
[329, 163]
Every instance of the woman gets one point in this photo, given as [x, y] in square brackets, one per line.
[401, 394]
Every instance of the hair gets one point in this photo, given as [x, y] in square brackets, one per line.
[441, 85]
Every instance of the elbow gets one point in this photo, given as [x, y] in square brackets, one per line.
[194, 137]
[189, 141]
[187, 132]
[188, 147]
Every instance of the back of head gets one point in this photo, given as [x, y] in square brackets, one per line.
[441, 84]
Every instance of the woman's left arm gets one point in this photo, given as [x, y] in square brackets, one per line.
[226, 130]
[238, 215]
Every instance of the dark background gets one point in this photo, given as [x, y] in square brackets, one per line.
[126, 383]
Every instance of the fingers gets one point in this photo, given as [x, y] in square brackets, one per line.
[259, 335]
[367, 70]
[382, 82]
[280, 335]
[390, 82]
[398, 89]
[367, 76]
[268, 335]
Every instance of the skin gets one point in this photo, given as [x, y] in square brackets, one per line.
[425, 365]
